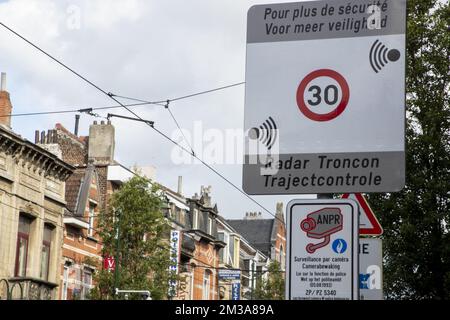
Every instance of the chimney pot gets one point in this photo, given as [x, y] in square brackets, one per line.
[5, 103]
[43, 137]
[102, 122]
[95, 122]
[77, 122]
[49, 136]
[55, 136]
[3, 82]
[180, 185]
[36, 136]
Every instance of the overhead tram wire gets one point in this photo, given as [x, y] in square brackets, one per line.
[185, 96]
[111, 96]
[83, 110]
[179, 128]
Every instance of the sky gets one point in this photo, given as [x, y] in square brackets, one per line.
[146, 49]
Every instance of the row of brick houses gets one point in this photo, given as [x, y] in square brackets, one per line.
[52, 192]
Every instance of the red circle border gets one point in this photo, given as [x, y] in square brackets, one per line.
[341, 106]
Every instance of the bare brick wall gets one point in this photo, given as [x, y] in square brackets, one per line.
[74, 149]
[102, 172]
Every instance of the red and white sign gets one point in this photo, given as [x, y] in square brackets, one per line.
[368, 223]
[109, 263]
[322, 249]
[323, 95]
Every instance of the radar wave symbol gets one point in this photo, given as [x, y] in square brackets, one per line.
[380, 55]
[267, 133]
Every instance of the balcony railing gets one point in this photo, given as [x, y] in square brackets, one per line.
[27, 288]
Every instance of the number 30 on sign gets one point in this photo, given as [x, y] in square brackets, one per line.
[323, 95]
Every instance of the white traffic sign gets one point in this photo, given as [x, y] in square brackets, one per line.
[368, 222]
[322, 250]
[325, 97]
[370, 269]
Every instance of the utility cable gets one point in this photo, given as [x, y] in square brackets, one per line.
[77, 110]
[179, 128]
[185, 96]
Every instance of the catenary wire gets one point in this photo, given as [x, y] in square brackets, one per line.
[185, 96]
[179, 128]
[78, 110]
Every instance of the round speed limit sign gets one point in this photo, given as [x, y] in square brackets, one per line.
[323, 95]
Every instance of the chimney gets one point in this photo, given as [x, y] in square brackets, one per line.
[5, 104]
[101, 143]
[77, 122]
[253, 216]
[180, 185]
[279, 211]
[206, 195]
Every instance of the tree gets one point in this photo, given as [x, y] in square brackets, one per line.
[271, 288]
[143, 251]
[416, 220]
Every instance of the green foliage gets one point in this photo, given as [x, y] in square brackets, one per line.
[416, 220]
[271, 288]
[144, 251]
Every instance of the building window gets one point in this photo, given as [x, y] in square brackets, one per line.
[91, 220]
[235, 252]
[23, 238]
[45, 254]
[231, 251]
[195, 220]
[87, 283]
[209, 226]
[206, 284]
[223, 253]
[65, 282]
[202, 221]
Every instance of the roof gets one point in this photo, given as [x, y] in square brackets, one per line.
[256, 231]
[21, 147]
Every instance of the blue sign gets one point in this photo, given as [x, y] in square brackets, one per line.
[339, 246]
[229, 274]
[236, 291]
[364, 280]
